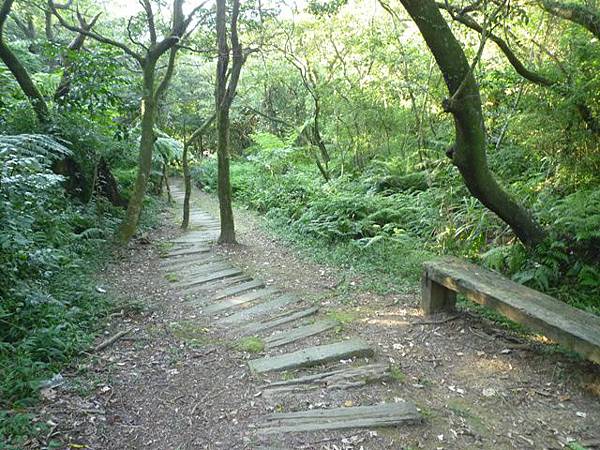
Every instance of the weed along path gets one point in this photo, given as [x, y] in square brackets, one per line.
[254, 346]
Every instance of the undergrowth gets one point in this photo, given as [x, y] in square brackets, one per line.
[386, 220]
[50, 247]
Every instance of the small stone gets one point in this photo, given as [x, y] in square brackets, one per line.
[489, 392]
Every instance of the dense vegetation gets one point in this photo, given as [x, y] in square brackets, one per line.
[350, 132]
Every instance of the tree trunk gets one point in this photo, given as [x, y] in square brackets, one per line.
[224, 93]
[224, 183]
[166, 180]
[187, 179]
[19, 71]
[187, 182]
[469, 150]
[129, 225]
[107, 185]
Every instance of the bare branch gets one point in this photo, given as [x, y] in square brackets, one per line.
[579, 14]
[469, 22]
[96, 36]
[150, 18]
[162, 87]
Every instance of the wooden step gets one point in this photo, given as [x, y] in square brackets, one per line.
[216, 285]
[210, 277]
[188, 263]
[288, 336]
[239, 300]
[238, 289]
[193, 273]
[186, 252]
[270, 323]
[269, 307]
[384, 415]
[312, 356]
[344, 378]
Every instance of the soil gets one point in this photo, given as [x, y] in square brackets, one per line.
[176, 381]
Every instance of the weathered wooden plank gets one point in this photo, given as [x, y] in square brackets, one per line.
[384, 415]
[435, 297]
[187, 251]
[267, 324]
[269, 307]
[238, 289]
[189, 262]
[184, 278]
[575, 329]
[217, 284]
[295, 334]
[239, 300]
[344, 378]
[193, 272]
[312, 356]
[210, 277]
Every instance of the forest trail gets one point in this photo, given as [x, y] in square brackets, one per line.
[255, 347]
[277, 319]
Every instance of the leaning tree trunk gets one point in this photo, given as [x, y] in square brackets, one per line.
[129, 224]
[469, 150]
[19, 71]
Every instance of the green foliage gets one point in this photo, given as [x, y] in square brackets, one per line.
[48, 306]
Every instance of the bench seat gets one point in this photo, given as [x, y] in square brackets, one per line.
[573, 328]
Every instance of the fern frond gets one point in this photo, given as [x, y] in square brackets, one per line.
[32, 146]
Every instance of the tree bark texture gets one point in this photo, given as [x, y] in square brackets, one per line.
[226, 86]
[469, 150]
[19, 71]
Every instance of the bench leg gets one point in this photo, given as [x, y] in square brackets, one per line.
[435, 297]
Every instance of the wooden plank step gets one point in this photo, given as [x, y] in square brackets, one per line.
[344, 378]
[271, 306]
[195, 272]
[238, 289]
[241, 299]
[210, 277]
[186, 252]
[215, 285]
[575, 329]
[191, 240]
[312, 356]
[270, 323]
[384, 415]
[189, 262]
[295, 334]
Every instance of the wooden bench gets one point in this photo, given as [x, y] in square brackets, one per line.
[573, 328]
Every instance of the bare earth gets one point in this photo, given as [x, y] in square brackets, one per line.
[176, 381]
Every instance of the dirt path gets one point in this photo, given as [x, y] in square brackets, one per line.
[181, 379]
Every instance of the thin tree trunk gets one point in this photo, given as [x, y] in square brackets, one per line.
[187, 179]
[469, 150]
[226, 85]
[166, 181]
[187, 183]
[129, 225]
[224, 183]
[19, 71]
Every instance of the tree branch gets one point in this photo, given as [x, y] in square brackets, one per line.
[150, 18]
[162, 87]
[579, 14]
[514, 61]
[200, 131]
[96, 36]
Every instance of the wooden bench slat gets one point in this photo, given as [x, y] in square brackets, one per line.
[573, 328]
